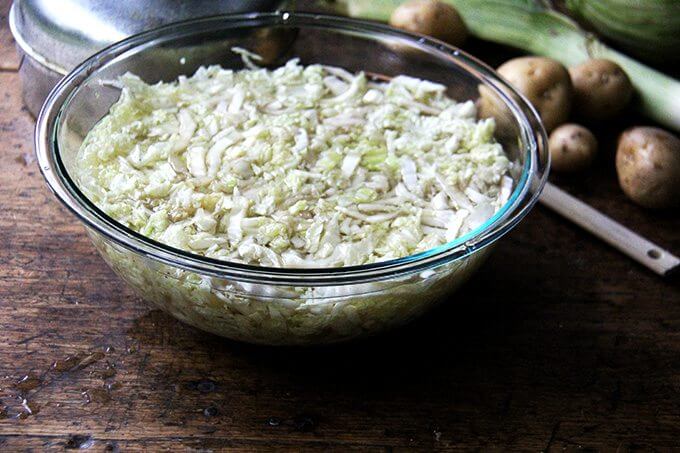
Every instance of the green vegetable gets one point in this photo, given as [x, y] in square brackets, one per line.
[649, 29]
[286, 315]
[533, 26]
[223, 163]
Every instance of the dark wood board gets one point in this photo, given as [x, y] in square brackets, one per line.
[8, 56]
[558, 343]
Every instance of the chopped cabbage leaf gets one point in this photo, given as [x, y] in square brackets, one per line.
[300, 166]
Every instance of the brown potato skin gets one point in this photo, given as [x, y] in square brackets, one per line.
[601, 89]
[545, 82]
[432, 18]
[272, 43]
[572, 148]
[648, 167]
[490, 105]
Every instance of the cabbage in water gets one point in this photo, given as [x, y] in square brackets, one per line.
[301, 166]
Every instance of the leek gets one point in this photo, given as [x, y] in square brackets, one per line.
[535, 27]
[649, 29]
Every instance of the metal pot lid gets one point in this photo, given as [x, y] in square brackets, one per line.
[61, 34]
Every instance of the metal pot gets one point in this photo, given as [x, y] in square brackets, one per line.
[54, 36]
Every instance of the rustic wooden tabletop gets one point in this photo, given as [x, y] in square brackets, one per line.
[558, 343]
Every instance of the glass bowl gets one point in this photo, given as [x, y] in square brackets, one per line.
[280, 305]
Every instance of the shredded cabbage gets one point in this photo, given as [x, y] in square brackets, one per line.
[301, 166]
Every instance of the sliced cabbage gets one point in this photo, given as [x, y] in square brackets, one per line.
[300, 166]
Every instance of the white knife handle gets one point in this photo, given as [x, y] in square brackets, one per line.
[632, 244]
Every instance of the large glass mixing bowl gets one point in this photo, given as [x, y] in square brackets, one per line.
[279, 305]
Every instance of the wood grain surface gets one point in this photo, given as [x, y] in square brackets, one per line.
[8, 56]
[558, 343]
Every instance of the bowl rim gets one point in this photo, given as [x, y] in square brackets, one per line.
[524, 196]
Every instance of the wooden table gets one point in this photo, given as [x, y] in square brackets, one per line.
[558, 343]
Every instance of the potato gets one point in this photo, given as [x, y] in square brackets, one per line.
[546, 84]
[648, 166]
[572, 148]
[491, 105]
[272, 43]
[601, 89]
[432, 18]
